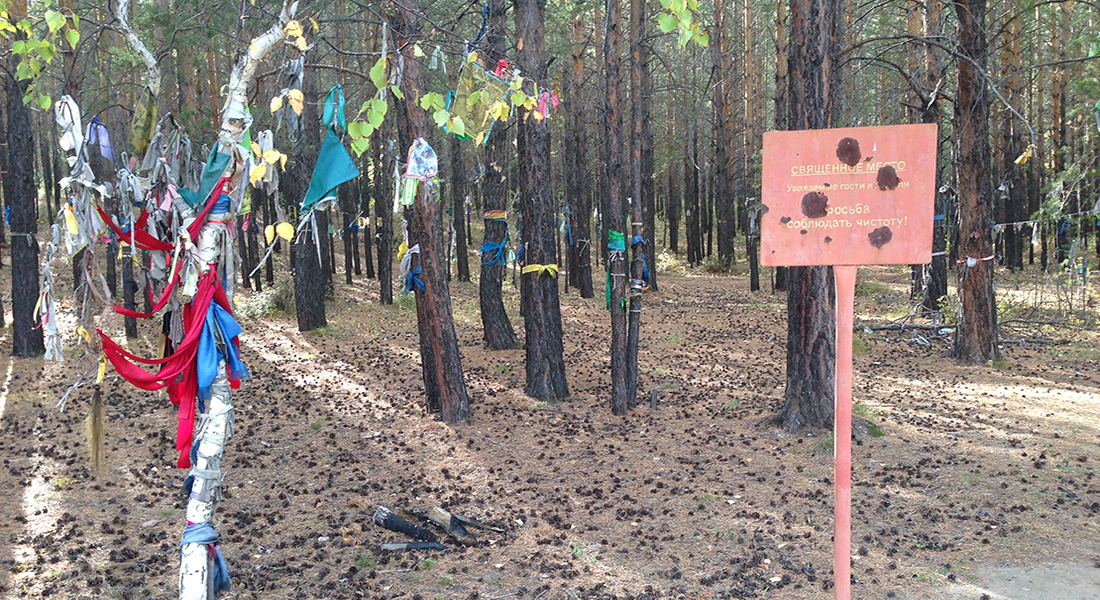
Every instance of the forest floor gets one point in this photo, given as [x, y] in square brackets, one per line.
[969, 482]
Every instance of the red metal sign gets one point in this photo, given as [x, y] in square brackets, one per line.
[856, 196]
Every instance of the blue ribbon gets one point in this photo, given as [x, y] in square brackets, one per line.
[412, 280]
[491, 248]
[645, 266]
[203, 533]
[939, 217]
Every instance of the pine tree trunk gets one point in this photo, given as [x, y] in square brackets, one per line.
[976, 333]
[346, 207]
[445, 367]
[498, 332]
[383, 206]
[623, 395]
[458, 205]
[545, 364]
[813, 87]
[576, 172]
[20, 196]
[310, 255]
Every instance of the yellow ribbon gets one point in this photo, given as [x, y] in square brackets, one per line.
[102, 370]
[539, 270]
[1028, 153]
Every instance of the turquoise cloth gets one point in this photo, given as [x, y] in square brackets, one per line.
[334, 166]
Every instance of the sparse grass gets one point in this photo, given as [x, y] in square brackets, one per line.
[364, 561]
[316, 426]
[277, 298]
[426, 564]
[732, 403]
[670, 264]
[1000, 364]
[406, 300]
[860, 345]
[712, 264]
[444, 581]
[64, 481]
[824, 445]
[871, 288]
[501, 368]
[166, 512]
[874, 430]
[540, 404]
[861, 409]
[708, 498]
[672, 338]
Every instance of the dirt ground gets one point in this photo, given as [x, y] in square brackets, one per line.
[965, 478]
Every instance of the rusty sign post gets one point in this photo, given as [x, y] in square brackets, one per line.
[847, 197]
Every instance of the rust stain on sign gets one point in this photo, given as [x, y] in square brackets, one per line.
[878, 209]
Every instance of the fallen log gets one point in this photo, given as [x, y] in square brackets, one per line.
[413, 546]
[388, 519]
[452, 525]
[476, 523]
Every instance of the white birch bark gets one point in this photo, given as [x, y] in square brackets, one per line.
[216, 424]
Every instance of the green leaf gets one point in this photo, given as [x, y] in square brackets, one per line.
[72, 36]
[378, 74]
[76, 20]
[355, 129]
[417, 51]
[702, 38]
[666, 3]
[367, 130]
[360, 146]
[685, 19]
[441, 117]
[518, 97]
[458, 127]
[19, 46]
[380, 106]
[47, 52]
[426, 101]
[475, 97]
[44, 102]
[54, 20]
[397, 92]
[667, 22]
[375, 118]
[685, 37]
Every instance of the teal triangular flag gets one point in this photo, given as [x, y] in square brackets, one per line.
[334, 166]
[215, 168]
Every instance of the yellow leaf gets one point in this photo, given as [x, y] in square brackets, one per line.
[255, 149]
[285, 231]
[293, 29]
[538, 116]
[269, 234]
[271, 156]
[471, 58]
[297, 101]
[257, 173]
[282, 161]
[276, 103]
[253, 48]
[316, 27]
[519, 44]
[300, 43]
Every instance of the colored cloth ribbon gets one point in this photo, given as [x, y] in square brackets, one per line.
[616, 242]
[97, 133]
[496, 215]
[203, 533]
[497, 250]
[179, 372]
[334, 167]
[412, 280]
[540, 270]
[334, 108]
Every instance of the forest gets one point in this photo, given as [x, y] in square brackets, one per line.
[432, 299]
